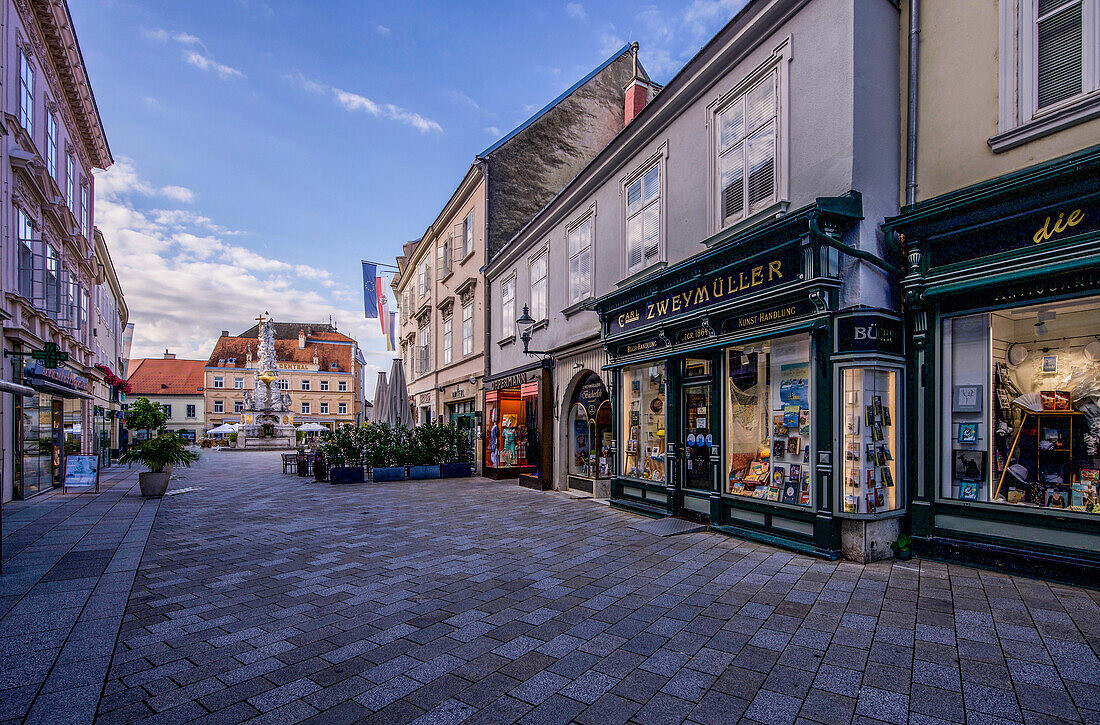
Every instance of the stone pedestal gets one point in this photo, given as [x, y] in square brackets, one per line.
[864, 541]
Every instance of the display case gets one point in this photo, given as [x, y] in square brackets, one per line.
[870, 440]
[643, 423]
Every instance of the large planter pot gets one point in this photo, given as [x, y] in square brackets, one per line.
[456, 470]
[388, 473]
[153, 485]
[345, 474]
[419, 472]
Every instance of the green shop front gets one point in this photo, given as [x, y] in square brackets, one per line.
[730, 389]
[1003, 300]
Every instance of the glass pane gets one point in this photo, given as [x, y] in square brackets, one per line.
[872, 439]
[652, 224]
[634, 242]
[643, 422]
[731, 169]
[1060, 56]
[761, 147]
[698, 436]
[760, 103]
[731, 125]
[633, 196]
[768, 420]
[581, 439]
[651, 182]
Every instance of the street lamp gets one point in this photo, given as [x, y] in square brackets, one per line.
[525, 323]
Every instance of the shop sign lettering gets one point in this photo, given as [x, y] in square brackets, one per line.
[591, 394]
[870, 333]
[636, 347]
[510, 381]
[718, 289]
[770, 315]
[1047, 226]
[63, 376]
[696, 333]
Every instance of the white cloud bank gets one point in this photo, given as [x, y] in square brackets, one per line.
[184, 281]
[195, 53]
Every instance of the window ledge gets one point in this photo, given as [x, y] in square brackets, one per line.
[543, 323]
[576, 307]
[467, 257]
[450, 273]
[507, 341]
[1084, 109]
[774, 211]
[656, 266]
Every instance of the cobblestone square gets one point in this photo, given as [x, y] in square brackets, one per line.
[271, 598]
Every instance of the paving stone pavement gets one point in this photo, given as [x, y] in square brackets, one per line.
[267, 598]
[69, 563]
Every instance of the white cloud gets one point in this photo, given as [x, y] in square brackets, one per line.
[184, 282]
[201, 60]
[382, 30]
[610, 42]
[353, 102]
[575, 11]
[492, 130]
[178, 193]
[206, 63]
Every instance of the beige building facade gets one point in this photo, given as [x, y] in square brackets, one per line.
[979, 86]
[320, 368]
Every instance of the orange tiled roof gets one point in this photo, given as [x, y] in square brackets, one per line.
[155, 376]
[237, 349]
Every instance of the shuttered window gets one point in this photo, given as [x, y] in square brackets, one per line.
[1059, 50]
[643, 220]
[539, 289]
[580, 261]
[747, 143]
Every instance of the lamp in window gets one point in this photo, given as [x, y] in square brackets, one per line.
[525, 322]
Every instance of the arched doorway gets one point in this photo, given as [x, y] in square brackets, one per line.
[587, 422]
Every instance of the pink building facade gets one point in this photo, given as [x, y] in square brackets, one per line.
[52, 139]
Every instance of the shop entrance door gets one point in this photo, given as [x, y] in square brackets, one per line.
[698, 436]
[462, 417]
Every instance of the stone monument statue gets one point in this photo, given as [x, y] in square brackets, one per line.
[267, 421]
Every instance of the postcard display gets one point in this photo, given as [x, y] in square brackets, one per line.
[871, 439]
[644, 422]
[768, 417]
[1023, 406]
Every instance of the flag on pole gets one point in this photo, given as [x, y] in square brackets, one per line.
[380, 290]
[391, 332]
[370, 293]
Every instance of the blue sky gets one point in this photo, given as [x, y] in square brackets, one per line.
[263, 147]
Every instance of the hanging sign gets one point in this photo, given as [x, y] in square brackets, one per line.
[1048, 226]
[61, 375]
[869, 332]
[741, 280]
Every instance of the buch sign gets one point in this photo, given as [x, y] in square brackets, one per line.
[870, 332]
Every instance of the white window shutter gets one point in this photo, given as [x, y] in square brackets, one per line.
[1060, 61]
[634, 243]
[761, 171]
[652, 216]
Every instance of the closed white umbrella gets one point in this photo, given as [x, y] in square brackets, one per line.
[380, 388]
[398, 394]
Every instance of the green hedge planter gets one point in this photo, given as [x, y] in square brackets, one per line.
[420, 472]
[388, 473]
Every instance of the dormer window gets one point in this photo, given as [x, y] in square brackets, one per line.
[231, 360]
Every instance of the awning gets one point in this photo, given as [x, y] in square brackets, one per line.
[15, 388]
[60, 390]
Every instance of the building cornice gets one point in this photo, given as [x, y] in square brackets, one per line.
[54, 25]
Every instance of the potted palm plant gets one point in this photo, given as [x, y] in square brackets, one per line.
[159, 455]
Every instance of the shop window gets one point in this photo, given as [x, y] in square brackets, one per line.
[512, 426]
[590, 429]
[871, 430]
[643, 424]
[769, 416]
[1021, 407]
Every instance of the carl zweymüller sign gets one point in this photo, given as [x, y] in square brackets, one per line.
[741, 280]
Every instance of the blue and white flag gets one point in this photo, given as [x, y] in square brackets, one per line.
[370, 290]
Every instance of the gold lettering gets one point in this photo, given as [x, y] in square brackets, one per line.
[1061, 224]
[775, 269]
[687, 298]
[662, 306]
[1075, 218]
[718, 289]
[649, 311]
[676, 303]
[702, 295]
[757, 275]
[741, 280]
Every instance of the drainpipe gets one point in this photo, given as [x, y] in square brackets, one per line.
[911, 104]
[487, 333]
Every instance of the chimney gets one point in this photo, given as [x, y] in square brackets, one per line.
[225, 333]
[169, 355]
[301, 339]
[637, 90]
[248, 358]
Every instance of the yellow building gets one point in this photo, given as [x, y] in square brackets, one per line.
[320, 368]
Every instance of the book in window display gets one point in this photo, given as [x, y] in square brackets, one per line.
[869, 468]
